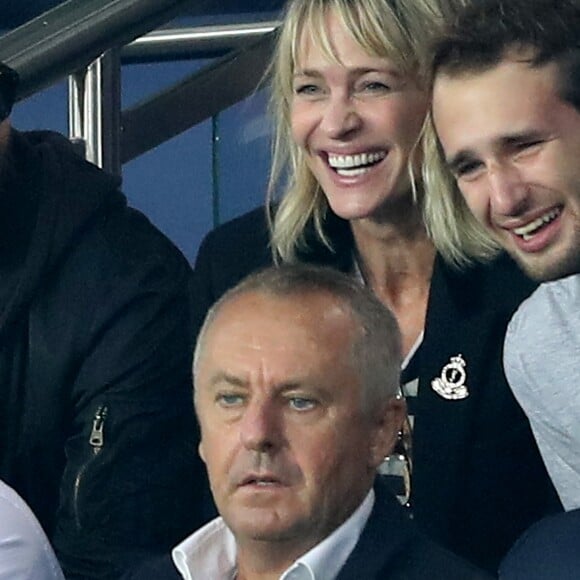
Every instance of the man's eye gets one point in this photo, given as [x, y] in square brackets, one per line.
[302, 403]
[525, 145]
[229, 399]
[467, 169]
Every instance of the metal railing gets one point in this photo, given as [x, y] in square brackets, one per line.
[90, 39]
[76, 32]
[201, 42]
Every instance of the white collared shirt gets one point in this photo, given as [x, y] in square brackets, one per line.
[211, 551]
[24, 549]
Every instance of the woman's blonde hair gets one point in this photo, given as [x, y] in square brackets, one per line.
[456, 233]
[400, 30]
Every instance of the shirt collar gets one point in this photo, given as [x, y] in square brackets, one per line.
[327, 558]
[212, 550]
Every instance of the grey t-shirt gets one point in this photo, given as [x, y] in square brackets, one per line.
[542, 365]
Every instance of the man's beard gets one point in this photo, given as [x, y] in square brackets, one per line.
[560, 267]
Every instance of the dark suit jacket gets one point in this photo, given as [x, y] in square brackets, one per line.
[549, 550]
[389, 548]
[478, 479]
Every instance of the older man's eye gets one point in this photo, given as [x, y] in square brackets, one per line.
[302, 403]
[229, 399]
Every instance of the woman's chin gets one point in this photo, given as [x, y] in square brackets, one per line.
[352, 212]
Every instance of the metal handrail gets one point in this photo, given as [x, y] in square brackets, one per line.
[73, 34]
[195, 98]
[67, 39]
[198, 42]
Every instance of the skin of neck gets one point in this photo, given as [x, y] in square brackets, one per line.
[394, 250]
[396, 258]
[267, 560]
[260, 560]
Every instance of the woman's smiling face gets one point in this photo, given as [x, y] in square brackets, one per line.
[357, 119]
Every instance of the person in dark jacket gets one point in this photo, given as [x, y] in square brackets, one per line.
[296, 377]
[547, 551]
[349, 99]
[97, 432]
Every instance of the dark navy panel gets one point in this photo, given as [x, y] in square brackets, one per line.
[172, 184]
[243, 156]
[45, 110]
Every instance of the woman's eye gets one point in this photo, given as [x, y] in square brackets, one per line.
[302, 403]
[307, 89]
[375, 86]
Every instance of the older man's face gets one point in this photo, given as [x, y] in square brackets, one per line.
[290, 453]
[514, 147]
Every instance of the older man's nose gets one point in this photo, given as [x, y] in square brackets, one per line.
[260, 428]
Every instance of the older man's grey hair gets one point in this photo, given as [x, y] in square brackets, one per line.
[376, 350]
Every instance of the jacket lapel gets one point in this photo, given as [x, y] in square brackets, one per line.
[467, 314]
[383, 538]
[442, 426]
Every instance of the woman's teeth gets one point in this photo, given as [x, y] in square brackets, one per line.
[527, 232]
[351, 165]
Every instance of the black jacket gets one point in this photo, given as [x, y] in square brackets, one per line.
[96, 425]
[547, 551]
[389, 548]
[478, 479]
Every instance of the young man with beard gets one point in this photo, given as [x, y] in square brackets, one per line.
[506, 111]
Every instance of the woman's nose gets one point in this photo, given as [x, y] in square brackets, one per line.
[340, 117]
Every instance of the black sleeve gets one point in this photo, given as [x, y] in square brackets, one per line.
[133, 484]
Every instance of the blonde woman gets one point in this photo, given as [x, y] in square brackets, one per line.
[349, 99]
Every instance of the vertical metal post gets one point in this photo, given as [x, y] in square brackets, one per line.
[215, 171]
[95, 111]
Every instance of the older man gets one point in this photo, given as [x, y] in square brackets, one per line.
[296, 377]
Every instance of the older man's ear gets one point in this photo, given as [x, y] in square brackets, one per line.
[387, 424]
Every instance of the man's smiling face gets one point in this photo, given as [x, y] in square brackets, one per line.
[513, 146]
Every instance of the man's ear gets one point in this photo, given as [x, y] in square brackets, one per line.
[387, 424]
[201, 451]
